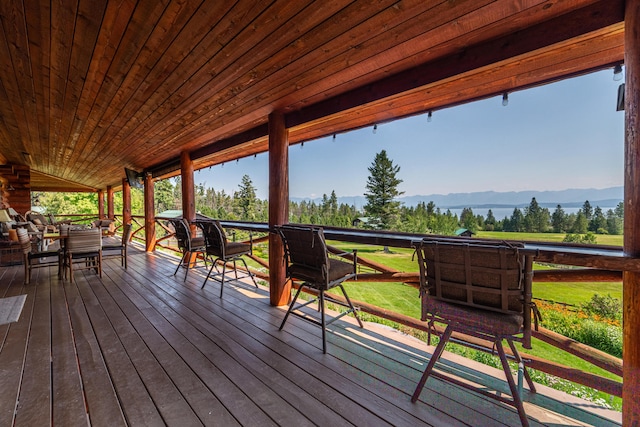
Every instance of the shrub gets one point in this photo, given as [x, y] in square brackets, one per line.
[604, 306]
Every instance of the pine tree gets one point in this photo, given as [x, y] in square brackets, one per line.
[382, 189]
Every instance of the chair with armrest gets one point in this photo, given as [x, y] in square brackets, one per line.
[33, 259]
[119, 250]
[308, 261]
[41, 222]
[189, 245]
[222, 250]
[83, 250]
[481, 289]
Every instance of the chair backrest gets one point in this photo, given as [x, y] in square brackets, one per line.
[305, 246]
[183, 233]
[84, 241]
[24, 239]
[126, 234]
[214, 237]
[493, 276]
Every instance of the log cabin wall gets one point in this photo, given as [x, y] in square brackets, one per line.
[16, 187]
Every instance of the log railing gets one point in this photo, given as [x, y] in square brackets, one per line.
[600, 263]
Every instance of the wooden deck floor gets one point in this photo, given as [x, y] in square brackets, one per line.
[142, 347]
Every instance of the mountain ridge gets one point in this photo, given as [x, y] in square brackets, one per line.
[573, 197]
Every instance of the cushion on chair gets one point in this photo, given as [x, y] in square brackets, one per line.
[315, 277]
[235, 248]
[487, 321]
[197, 242]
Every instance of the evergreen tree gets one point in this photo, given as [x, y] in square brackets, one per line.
[559, 220]
[536, 219]
[516, 222]
[468, 220]
[382, 189]
[490, 222]
[598, 222]
[614, 224]
[580, 224]
[587, 210]
[246, 200]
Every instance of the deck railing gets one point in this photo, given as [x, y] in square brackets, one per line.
[599, 264]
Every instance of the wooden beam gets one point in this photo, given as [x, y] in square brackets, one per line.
[100, 204]
[560, 29]
[149, 214]
[126, 201]
[110, 207]
[188, 189]
[631, 280]
[280, 291]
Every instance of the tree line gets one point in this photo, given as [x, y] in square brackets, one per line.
[382, 211]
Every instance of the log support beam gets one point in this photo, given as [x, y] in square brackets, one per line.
[149, 214]
[631, 279]
[126, 202]
[280, 291]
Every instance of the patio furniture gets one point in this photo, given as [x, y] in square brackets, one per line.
[481, 289]
[83, 250]
[308, 261]
[36, 259]
[119, 250]
[218, 246]
[189, 246]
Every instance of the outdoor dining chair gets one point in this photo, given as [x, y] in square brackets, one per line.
[36, 259]
[119, 250]
[480, 289]
[83, 250]
[218, 246]
[308, 261]
[189, 245]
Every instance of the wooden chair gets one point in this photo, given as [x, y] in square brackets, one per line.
[188, 244]
[32, 259]
[308, 261]
[218, 246]
[83, 250]
[481, 289]
[119, 250]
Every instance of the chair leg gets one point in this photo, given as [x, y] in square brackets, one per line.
[286, 316]
[353, 309]
[184, 254]
[213, 265]
[249, 272]
[432, 362]
[517, 400]
[518, 358]
[323, 321]
[224, 269]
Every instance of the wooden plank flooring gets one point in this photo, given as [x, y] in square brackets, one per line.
[142, 347]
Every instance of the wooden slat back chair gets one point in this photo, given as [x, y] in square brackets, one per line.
[119, 250]
[221, 249]
[307, 261]
[32, 259]
[189, 245]
[83, 250]
[479, 289]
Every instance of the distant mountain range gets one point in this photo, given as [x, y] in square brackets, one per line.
[605, 197]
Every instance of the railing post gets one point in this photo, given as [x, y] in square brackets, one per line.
[631, 279]
[280, 292]
[149, 214]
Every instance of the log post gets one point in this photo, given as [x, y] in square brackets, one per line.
[280, 292]
[188, 195]
[110, 208]
[126, 201]
[100, 204]
[149, 214]
[188, 189]
[631, 280]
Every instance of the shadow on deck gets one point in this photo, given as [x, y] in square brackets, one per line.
[142, 347]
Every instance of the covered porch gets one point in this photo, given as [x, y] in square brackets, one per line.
[142, 347]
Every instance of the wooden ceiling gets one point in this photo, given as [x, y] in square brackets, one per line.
[88, 87]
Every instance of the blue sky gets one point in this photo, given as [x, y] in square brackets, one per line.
[553, 137]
